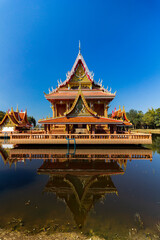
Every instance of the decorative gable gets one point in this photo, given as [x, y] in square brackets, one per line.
[80, 77]
[8, 123]
[80, 107]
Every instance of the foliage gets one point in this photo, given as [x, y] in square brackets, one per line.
[2, 114]
[151, 119]
[136, 118]
[38, 126]
[155, 143]
[32, 120]
[157, 117]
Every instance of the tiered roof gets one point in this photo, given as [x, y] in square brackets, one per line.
[80, 113]
[81, 86]
[19, 119]
[121, 115]
[79, 74]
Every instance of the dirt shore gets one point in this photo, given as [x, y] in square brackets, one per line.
[12, 235]
[16, 235]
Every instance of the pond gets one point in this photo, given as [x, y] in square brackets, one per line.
[104, 191]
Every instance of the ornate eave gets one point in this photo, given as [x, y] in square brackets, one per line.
[88, 94]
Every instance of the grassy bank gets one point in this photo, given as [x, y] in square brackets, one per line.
[155, 131]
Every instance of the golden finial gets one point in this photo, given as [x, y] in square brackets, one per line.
[11, 109]
[119, 107]
[17, 109]
[123, 108]
[79, 47]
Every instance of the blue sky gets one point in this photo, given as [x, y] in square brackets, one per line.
[120, 42]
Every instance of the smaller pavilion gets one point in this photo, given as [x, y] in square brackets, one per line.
[15, 121]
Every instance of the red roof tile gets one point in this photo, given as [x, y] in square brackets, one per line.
[72, 94]
[80, 120]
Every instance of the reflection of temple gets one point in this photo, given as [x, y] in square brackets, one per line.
[82, 178]
[120, 154]
[4, 155]
[80, 183]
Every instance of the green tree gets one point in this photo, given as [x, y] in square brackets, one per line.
[157, 117]
[32, 120]
[2, 114]
[139, 119]
[131, 115]
[136, 118]
[38, 126]
[149, 118]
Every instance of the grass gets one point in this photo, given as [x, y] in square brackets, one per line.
[155, 131]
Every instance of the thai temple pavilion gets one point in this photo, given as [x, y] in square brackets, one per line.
[15, 121]
[80, 105]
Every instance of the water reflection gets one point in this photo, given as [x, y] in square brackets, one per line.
[156, 143]
[80, 179]
[88, 183]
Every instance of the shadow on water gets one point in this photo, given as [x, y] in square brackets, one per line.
[68, 189]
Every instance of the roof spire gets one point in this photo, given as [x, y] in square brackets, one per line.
[79, 47]
[17, 109]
